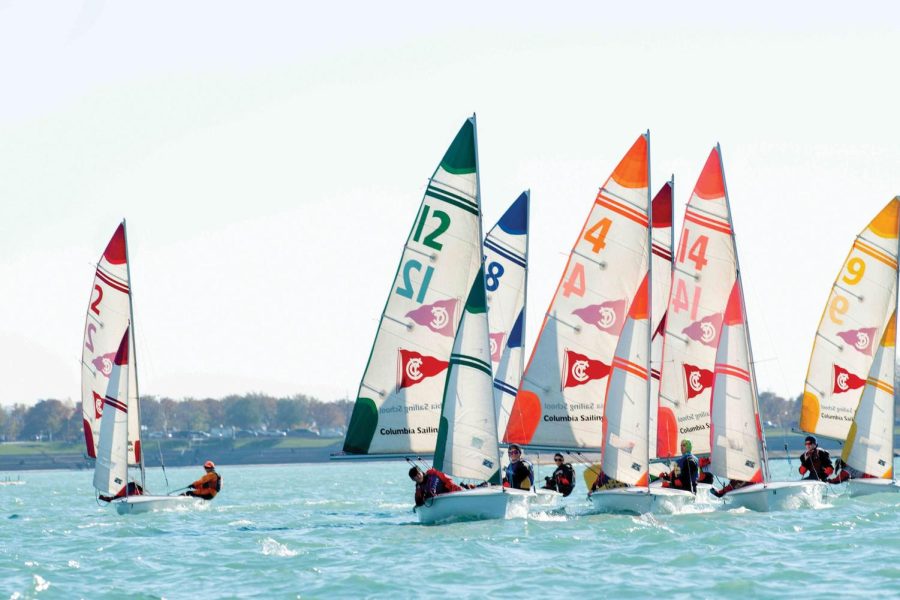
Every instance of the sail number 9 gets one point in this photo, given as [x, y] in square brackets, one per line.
[856, 268]
[837, 308]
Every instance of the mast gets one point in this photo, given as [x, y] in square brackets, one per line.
[761, 441]
[133, 350]
[649, 305]
[493, 408]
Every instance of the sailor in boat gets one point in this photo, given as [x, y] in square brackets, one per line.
[687, 470]
[207, 486]
[733, 484]
[431, 483]
[563, 478]
[519, 472]
[705, 476]
[815, 463]
[846, 472]
[132, 489]
[604, 482]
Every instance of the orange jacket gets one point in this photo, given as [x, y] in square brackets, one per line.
[208, 485]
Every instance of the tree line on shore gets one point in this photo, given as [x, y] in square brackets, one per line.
[61, 420]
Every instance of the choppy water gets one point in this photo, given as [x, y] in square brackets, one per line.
[347, 530]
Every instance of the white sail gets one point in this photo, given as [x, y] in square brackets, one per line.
[399, 400]
[467, 445]
[704, 273]
[506, 278]
[870, 442]
[736, 434]
[661, 264]
[559, 402]
[108, 317]
[111, 466]
[860, 303]
[626, 435]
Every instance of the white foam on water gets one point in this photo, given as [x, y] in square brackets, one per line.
[40, 584]
[271, 547]
[74, 564]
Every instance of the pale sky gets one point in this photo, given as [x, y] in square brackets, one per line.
[270, 159]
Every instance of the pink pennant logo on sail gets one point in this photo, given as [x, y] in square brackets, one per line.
[706, 330]
[104, 363]
[607, 316]
[844, 380]
[496, 346]
[437, 316]
[860, 339]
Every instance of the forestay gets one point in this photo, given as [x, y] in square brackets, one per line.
[735, 434]
[108, 317]
[626, 412]
[704, 274]
[506, 278]
[860, 303]
[559, 402]
[111, 467]
[467, 445]
[399, 400]
[661, 281]
[870, 442]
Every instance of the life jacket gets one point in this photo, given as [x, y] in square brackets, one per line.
[208, 486]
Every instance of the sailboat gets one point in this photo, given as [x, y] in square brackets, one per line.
[467, 445]
[628, 441]
[559, 404]
[109, 392]
[398, 404]
[847, 374]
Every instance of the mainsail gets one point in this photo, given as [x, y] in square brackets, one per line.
[626, 411]
[111, 468]
[109, 315]
[704, 273]
[860, 304]
[399, 400]
[661, 265]
[559, 402]
[736, 438]
[870, 442]
[506, 279]
[467, 444]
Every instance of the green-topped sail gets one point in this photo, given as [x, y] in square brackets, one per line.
[467, 445]
[399, 400]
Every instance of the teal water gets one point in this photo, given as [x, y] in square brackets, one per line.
[347, 530]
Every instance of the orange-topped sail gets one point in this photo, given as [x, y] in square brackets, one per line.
[560, 398]
[711, 184]
[885, 224]
[632, 170]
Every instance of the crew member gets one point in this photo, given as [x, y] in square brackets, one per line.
[563, 478]
[815, 463]
[132, 489]
[207, 486]
[687, 469]
[431, 483]
[519, 472]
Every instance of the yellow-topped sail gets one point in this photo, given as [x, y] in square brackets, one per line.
[860, 304]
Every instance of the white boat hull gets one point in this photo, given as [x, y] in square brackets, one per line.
[865, 487]
[641, 500]
[473, 505]
[777, 495]
[147, 503]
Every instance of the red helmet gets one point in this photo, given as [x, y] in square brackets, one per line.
[209, 465]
